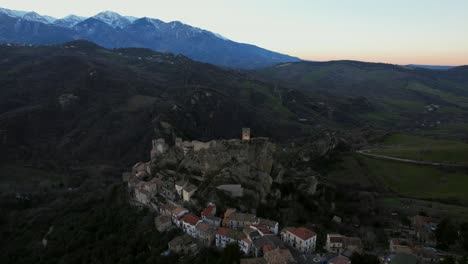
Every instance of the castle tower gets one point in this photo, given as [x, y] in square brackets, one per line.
[246, 134]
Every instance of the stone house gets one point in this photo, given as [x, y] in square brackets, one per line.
[337, 243]
[166, 209]
[183, 244]
[239, 220]
[163, 222]
[177, 213]
[300, 238]
[179, 185]
[212, 220]
[168, 190]
[226, 236]
[210, 210]
[227, 216]
[266, 243]
[245, 244]
[279, 256]
[205, 233]
[273, 226]
[188, 223]
[188, 191]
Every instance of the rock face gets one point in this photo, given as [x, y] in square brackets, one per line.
[238, 173]
[245, 164]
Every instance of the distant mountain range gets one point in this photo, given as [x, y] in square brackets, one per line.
[112, 30]
[431, 67]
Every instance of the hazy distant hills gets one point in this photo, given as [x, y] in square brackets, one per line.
[112, 30]
[402, 97]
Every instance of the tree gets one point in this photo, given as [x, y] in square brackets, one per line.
[448, 260]
[357, 258]
[231, 255]
[464, 235]
[446, 234]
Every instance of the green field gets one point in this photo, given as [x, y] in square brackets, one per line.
[409, 180]
[419, 148]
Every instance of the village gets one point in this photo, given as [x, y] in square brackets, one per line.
[259, 240]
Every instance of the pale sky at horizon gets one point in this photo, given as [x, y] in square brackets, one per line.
[431, 32]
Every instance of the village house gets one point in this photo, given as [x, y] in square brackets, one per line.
[212, 220]
[205, 233]
[262, 230]
[279, 256]
[183, 244]
[210, 210]
[251, 233]
[245, 244]
[426, 254]
[179, 185]
[227, 215]
[188, 223]
[400, 246]
[337, 243]
[273, 226]
[166, 209]
[223, 237]
[208, 215]
[168, 190]
[424, 227]
[177, 213]
[163, 222]
[239, 220]
[188, 191]
[265, 243]
[226, 236]
[301, 238]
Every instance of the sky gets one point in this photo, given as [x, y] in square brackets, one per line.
[431, 32]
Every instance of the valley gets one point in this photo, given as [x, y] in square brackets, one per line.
[74, 116]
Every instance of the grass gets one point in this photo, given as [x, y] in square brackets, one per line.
[409, 180]
[420, 148]
[19, 178]
[422, 182]
[410, 206]
[449, 97]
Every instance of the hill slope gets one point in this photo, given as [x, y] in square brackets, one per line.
[402, 97]
[79, 101]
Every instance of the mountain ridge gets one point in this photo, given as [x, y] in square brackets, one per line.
[175, 36]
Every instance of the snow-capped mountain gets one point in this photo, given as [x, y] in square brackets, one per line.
[113, 19]
[69, 21]
[30, 16]
[33, 16]
[12, 13]
[112, 30]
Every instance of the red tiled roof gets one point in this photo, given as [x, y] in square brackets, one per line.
[190, 218]
[301, 232]
[178, 210]
[223, 231]
[262, 229]
[208, 210]
[266, 248]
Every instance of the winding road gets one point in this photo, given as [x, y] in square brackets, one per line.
[365, 152]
